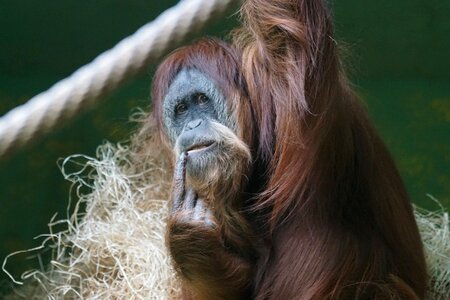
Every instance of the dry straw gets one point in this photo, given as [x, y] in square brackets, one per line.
[435, 230]
[114, 248]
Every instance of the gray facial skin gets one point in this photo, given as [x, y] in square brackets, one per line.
[186, 86]
[200, 124]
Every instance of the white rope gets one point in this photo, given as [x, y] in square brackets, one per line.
[106, 72]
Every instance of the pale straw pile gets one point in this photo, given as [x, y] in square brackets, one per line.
[435, 230]
[114, 247]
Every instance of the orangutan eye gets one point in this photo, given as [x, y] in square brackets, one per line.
[180, 109]
[202, 99]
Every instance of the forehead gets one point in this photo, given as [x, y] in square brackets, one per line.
[189, 81]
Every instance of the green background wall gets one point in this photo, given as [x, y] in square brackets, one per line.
[398, 55]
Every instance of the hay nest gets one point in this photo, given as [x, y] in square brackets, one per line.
[114, 247]
[435, 231]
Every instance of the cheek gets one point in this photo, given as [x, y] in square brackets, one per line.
[172, 127]
[173, 132]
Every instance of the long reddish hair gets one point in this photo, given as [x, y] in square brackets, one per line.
[333, 192]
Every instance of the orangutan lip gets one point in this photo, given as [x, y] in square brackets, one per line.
[200, 147]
